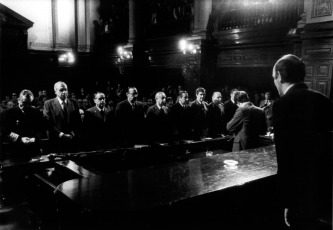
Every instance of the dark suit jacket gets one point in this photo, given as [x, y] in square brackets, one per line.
[248, 123]
[181, 124]
[28, 124]
[216, 120]
[199, 121]
[303, 124]
[99, 130]
[130, 123]
[229, 110]
[158, 124]
[57, 122]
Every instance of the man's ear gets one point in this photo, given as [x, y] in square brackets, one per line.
[279, 77]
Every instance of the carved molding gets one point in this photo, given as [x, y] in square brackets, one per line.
[321, 8]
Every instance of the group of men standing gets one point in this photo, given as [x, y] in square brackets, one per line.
[302, 121]
[131, 123]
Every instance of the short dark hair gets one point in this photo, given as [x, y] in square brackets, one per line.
[182, 92]
[200, 89]
[291, 68]
[241, 96]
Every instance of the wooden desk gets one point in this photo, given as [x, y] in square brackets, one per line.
[156, 186]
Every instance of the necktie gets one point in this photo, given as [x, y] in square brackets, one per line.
[102, 114]
[64, 110]
[133, 106]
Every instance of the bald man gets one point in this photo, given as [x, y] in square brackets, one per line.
[158, 120]
[303, 125]
[215, 115]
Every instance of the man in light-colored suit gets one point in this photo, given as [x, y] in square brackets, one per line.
[247, 124]
[63, 118]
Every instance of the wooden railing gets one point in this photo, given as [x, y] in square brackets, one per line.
[259, 12]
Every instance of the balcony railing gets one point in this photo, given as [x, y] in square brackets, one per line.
[247, 13]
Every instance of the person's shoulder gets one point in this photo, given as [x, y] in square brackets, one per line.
[91, 109]
[9, 111]
[175, 106]
[122, 103]
[50, 101]
[151, 108]
[139, 103]
[193, 103]
[228, 103]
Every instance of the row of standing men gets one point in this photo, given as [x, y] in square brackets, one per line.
[23, 126]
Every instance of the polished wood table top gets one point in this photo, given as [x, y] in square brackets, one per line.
[160, 185]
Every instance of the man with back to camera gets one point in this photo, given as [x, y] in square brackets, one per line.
[99, 124]
[247, 124]
[157, 120]
[303, 124]
[64, 120]
[130, 119]
[22, 126]
[198, 110]
[216, 123]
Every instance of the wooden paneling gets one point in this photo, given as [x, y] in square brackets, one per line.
[251, 57]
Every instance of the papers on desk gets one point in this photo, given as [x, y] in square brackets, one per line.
[140, 146]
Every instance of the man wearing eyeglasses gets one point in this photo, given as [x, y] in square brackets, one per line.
[130, 119]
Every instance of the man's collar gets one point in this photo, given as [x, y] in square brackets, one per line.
[287, 89]
[60, 101]
[100, 109]
[131, 102]
[182, 105]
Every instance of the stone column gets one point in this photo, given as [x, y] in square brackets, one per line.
[202, 10]
[135, 21]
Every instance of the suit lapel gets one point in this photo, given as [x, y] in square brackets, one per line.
[57, 107]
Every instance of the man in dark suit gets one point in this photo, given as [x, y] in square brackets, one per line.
[303, 126]
[22, 127]
[216, 123]
[158, 122]
[247, 124]
[99, 124]
[198, 111]
[180, 118]
[230, 106]
[64, 121]
[267, 106]
[130, 118]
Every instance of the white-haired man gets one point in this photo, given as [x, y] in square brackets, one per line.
[63, 118]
